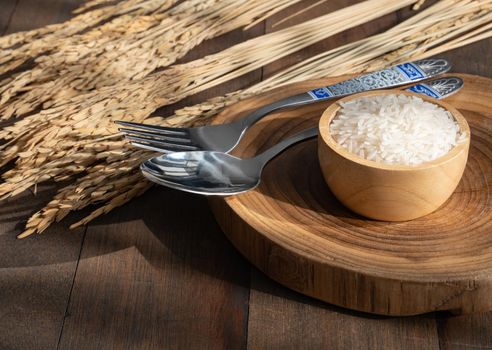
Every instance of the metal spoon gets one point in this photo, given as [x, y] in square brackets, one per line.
[214, 173]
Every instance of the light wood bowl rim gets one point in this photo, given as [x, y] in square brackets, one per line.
[328, 140]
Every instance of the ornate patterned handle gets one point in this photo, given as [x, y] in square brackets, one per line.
[438, 88]
[401, 74]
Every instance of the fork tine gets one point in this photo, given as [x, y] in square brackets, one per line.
[147, 147]
[155, 136]
[155, 128]
[159, 146]
[154, 148]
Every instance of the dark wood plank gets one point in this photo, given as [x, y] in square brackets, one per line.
[472, 59]
[36, 276]
[468, 331]
[282, 319]
[30, 14]
[158, 274]
[8, 8]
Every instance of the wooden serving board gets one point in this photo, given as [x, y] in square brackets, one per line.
[294, 230]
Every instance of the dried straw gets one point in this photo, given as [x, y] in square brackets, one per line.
[365, 55]
[19, 47]
[91, 114]
[62, 147]
[127, 48]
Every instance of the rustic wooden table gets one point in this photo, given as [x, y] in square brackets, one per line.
[158, 273]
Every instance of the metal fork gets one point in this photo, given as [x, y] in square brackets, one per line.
[223, 138]
[218, 173]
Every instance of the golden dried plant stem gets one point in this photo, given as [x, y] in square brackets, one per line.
[210, 108]
[121, 185]
[135, 189]
[178, 82]
[44, 39]
[95, 111]
[112, 174]
[127, 48]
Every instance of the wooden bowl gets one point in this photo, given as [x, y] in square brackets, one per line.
[390, 192]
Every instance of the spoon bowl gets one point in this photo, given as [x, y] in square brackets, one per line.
[202, 172]
[214, 173]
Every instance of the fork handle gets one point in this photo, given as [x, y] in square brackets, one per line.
[398, 75]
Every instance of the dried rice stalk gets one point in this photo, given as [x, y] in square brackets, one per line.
[364, 55]
[92, 114]
[126, 48]
[440, 28]
[87, 75]
[19, 47]
[108, 156]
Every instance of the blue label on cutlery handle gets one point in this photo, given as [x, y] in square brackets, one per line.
[411, 71]
[425, 90]
[321, 93]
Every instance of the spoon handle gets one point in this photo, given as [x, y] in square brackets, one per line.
[281, 146]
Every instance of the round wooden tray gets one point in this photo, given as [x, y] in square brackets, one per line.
[294, 230]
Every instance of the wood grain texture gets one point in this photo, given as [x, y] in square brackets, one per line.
[36, 276]
[151, 278]
[465, 332]
[292, 227]
[283, 319]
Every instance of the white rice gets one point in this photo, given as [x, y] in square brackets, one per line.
[395, 129]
